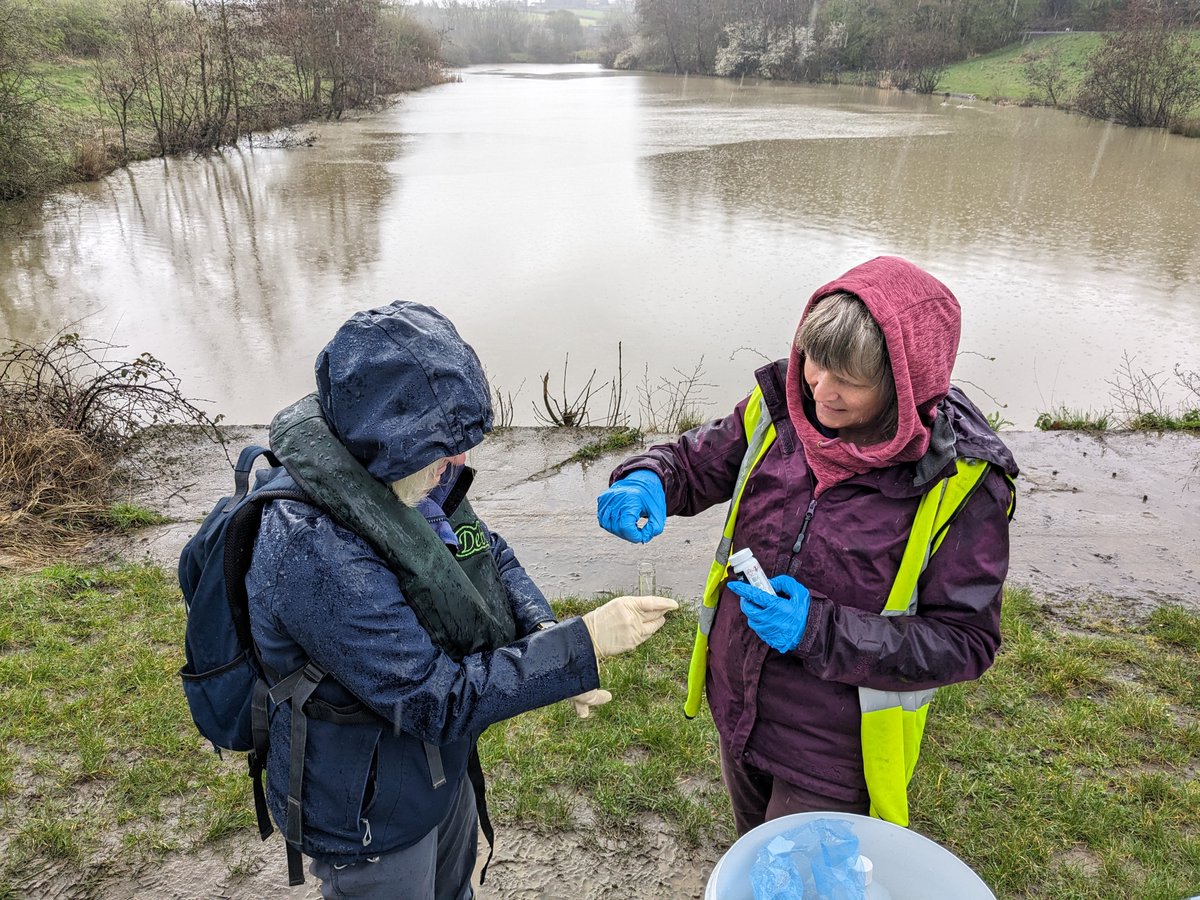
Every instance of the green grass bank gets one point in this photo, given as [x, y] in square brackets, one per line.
[1067, 771]
[1002, 75]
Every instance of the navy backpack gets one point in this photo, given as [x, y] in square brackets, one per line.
[229, 690]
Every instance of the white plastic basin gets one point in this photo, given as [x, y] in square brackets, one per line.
[910, 866]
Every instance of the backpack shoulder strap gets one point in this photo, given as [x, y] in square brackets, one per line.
[242, 470]
[239, 548]
[240, 533]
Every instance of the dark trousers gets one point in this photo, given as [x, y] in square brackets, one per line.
[758, 796]
[437, 867]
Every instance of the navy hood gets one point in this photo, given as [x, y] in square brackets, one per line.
[401, 389]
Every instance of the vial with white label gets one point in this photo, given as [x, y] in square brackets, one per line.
[744, 563]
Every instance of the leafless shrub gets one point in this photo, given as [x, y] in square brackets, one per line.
[1136, 392]
[1047, 72]
[1145, 72]
[1190, 381]
[617, 417]
[1143, 405]
[572, 413]
[505, 404]
[568, 413]
[671, 407]
[71, 417]
[70, 382]
[29, 160]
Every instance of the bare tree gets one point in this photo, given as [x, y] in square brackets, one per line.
[1045, 71]
[1147, 73]
[335, 50]
[28, 160]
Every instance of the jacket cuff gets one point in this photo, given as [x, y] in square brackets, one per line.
[582, 662]
[818, 609]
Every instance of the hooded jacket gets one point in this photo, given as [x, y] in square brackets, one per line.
[796, 715]
[400, 389]
[920, 321]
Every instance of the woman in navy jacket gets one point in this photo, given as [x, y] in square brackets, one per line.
[407, 397]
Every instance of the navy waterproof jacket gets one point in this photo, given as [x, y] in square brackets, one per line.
[400, 389]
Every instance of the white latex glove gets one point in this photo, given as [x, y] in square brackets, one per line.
[584, 702]
[623, 623]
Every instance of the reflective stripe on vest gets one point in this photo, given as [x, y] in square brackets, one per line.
[893, 722]
[760, 431]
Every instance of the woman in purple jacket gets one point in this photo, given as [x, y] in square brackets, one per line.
[859, 426]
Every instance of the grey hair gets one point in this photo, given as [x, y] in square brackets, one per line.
[412, 489]
[839, 334]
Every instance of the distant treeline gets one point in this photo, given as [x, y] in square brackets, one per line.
[900, 43]
[479, 32]
[86, 85]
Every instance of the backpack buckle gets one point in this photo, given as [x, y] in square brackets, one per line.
[312, 672]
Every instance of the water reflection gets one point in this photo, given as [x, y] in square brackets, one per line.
[554, 210]
[228, 261]
[1010, 179]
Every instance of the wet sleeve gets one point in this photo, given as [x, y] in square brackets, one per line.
[956, 633]
[346, 610]
[529, 605]
[700, 468]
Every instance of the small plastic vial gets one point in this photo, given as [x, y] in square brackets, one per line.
[872, 890]
[646, 585]
[744, 563]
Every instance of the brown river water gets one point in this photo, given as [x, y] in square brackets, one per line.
[555, 210]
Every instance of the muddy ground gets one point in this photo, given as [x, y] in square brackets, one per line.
[1106, 526]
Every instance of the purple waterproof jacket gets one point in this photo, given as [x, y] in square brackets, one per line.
[796, 715]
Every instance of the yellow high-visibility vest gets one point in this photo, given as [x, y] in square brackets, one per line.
[893, 722]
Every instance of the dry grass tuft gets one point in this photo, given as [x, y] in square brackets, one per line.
[73, 412]
[53, 490]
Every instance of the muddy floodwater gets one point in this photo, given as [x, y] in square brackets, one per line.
[555, 210]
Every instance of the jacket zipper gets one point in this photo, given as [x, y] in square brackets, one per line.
[812, 504]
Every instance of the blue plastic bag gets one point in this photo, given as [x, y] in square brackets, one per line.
[814, 861]
[834, 875]
[774, 875]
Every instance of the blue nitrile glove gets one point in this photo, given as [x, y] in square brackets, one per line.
[778, 620]
[640, 493]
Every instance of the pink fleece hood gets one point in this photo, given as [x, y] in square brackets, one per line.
[920, 320]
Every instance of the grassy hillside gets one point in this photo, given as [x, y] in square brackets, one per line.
[70, 85]
[1001, 73]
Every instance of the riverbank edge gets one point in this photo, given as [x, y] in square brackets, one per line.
[1189, 127]
[89, 160]
[1099, 515]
